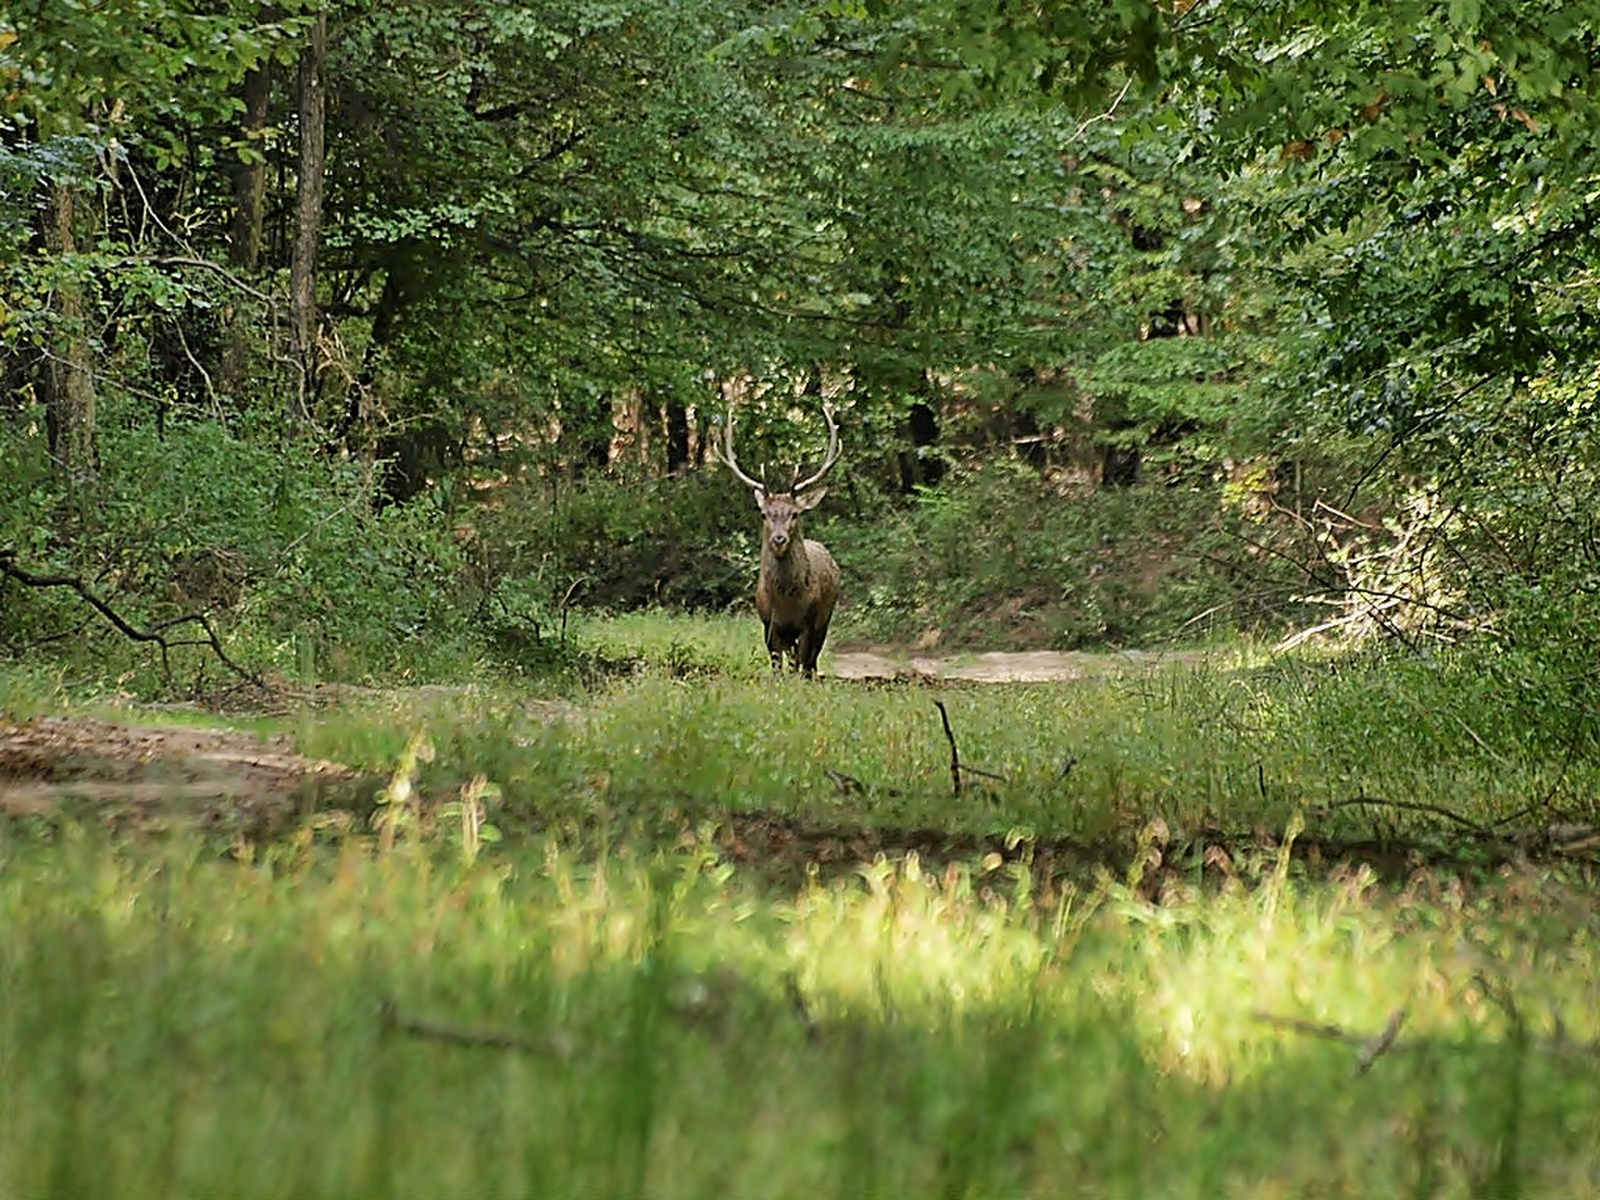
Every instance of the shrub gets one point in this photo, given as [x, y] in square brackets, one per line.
[1000, 555]
[283, 548]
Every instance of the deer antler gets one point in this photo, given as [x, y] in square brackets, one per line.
[725, 453]
[801, 485]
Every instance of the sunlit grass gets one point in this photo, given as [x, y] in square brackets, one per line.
[180, 1025]
[1199, 746]
[676, 643]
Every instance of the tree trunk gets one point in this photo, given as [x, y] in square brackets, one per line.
[250, 174]
[677, 420]
[246, 226]
[68, 376]
[308, 215]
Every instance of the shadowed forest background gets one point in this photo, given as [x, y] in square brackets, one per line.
[400, 332]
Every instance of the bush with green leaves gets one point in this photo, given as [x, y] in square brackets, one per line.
[1000, 555]
[689, 541]
[995, 556]
[280, 547]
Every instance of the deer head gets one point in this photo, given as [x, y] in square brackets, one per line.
[780, 510]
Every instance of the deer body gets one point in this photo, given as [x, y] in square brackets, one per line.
[799, 582]
[795, 597]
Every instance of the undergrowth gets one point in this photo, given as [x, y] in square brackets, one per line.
[996, 557]
[282, 550]
[999, 556]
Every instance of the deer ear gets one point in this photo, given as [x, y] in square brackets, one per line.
[806, 501]
[761, 498]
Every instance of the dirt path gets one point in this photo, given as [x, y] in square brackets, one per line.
[1030, 666]
[218, 779]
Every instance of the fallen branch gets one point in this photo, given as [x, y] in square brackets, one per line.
[1332, 1033]
[392, 1020]
[1567, 837]
[1417, 806]
[955, 756]
[1385, 1041]
[156, 633]
[1368, 1049]
[1382, 1044]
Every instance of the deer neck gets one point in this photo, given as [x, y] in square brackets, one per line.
[791, 573]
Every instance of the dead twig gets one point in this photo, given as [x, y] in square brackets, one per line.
[847, 785]
[1499, 994]
[1368, 1049]
[1380, 1045]
[955, 757]
[1332, 1033]
[566, 601]
[995, 775]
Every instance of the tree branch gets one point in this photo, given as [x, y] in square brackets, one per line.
[156, 633]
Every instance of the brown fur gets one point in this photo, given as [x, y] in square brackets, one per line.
[799, 583]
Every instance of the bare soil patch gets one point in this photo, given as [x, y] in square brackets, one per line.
[167, 776]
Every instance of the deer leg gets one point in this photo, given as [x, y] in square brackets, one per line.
[775, 647]
[807, 652]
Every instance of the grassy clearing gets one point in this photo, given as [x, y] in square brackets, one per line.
[177, 1025]
[622, 998]
[673, 644]
[1374, 750]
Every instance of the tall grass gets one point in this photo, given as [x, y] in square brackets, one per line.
[543, 1025]
[1368, 749]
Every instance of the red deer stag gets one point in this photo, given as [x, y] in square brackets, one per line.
[799, 582]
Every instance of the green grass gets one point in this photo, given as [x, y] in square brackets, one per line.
[632, 994]
[1357, 750]
[678, 644]
[178, 1025]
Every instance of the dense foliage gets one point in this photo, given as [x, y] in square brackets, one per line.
[410, 287]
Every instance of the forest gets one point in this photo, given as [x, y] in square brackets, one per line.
[1200, 794]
